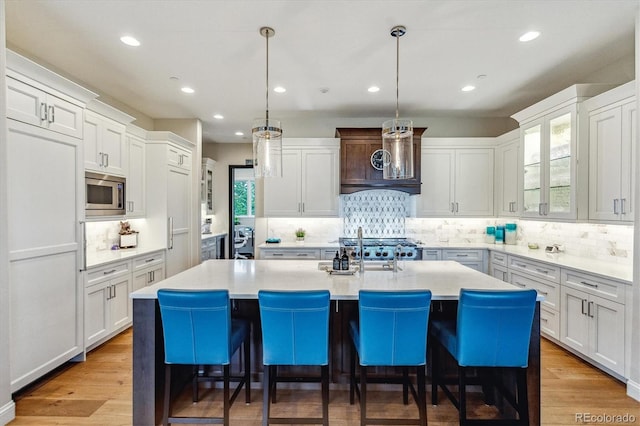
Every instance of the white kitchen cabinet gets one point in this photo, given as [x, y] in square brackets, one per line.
[309, 185]
[136, 174]
[108, 308]
[147, 270]
[32, 105]
[498, 266]
[473, 258]
[206, 196]
[550, 146]
[45, 324]
[456, 182]
[431, 254]
[612, 135]
[507, 184]
[209, 249]
[291, 253]
[169, 198]
[593, 318]
[105, 148]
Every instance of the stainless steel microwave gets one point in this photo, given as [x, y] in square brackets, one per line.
[104, 194]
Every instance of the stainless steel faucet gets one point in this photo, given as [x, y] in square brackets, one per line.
[361, 261]
[396, 254]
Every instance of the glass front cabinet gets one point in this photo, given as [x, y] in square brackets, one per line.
[549, 163]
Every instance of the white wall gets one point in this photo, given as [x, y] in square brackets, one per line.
[7, 407]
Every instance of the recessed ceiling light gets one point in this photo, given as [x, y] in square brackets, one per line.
[373, 89]
[239, 134]
[218, 116]
[531, 35]
[187, 90]
[468, 88]
[279, 89]
[130, 41]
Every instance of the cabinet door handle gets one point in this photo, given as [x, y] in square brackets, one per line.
[589, 284]
[457, 207]
[302, 207]
[101, 159]
[52, 114]
[43, 112]
[150, 279]
[107, 156]
[615, 206]
[452, 208]
[114, 291]
[623, 203]
[539, 209]
[583, 310]
[170, 231]
[590, 314]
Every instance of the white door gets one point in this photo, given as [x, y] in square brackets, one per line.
[508, 157]
[282, 194]
[320, 183]
[474, 182]
[607, 333]
[113, 147]
[46, 294]
[436, 196]
[178, 208]
[120, 304]
[136, 178]
[575, 321]
[605, 172]
[96, 321]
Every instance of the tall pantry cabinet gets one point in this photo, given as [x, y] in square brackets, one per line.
[45, 211]
[169, 166]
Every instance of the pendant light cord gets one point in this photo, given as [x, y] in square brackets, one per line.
[397, 72]
[267, 35]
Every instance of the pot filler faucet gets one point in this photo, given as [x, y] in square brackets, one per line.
[361, 250]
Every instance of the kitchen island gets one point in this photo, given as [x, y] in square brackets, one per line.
[244, 278]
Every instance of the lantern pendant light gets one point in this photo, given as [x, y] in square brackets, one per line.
[397, 134]
[267, 133]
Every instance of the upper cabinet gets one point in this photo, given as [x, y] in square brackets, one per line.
[135, 172]
[309, 184]
[612, 132]
[550, 148]
[105, 148]
[206, 197]
[507, 182]
[361, 161]
[457, 175]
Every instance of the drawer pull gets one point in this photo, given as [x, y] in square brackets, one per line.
[542, 271]
[519, 284]
[498, 258]
[149, 260]
[544, 293]
[462, 255]
[521, 265]
[544, 319]
[278, 254]
[302, 254]
[109, 272]
[589, 284]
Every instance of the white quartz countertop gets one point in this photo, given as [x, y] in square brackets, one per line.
[244, 278]
[102, 257]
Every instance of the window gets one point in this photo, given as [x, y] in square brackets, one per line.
[244, 197]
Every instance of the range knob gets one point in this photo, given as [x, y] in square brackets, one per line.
[367, 254]
[378, 254]
[410, 254]
[385, 254]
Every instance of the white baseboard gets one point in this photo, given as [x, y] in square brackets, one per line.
[633, 390]
[7, 413]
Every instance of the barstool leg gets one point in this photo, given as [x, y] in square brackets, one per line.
[435, 370]
[462, 395]
[247, 369]
[167, 394]
[363, 395]
[274, 382]
[352, 381]
[523, 396]
[422, 395]
[405, 385]
[324, 371]
[227, 403]
[266, 387]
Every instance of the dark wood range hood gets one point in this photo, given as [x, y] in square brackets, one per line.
[356, 171]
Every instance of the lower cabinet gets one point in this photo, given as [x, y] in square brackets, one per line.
[108, 308]
[292, 253]
[148, 270]
[473, 258]
[593, 324]
[107, 303]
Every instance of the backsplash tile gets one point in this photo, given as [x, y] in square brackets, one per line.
[380, 213]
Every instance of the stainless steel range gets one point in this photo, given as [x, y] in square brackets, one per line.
[381, 248]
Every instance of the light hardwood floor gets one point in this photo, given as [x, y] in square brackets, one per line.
[98, 392]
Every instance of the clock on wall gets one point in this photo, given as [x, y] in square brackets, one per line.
[380, 158]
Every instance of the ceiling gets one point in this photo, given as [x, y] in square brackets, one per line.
[326, 54]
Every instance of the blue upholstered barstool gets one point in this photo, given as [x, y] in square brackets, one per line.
[199, 331]
[295, 331]
[392, 332]
[493, 330]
